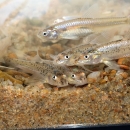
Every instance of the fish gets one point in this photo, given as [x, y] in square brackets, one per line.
[76, 28]
[45, 72]
[106, 54]
[77, 75]
[69, 56]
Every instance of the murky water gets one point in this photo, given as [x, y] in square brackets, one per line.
[24, 103]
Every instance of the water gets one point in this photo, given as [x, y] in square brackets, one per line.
[104, 100]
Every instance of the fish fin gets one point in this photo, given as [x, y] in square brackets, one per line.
[36, 58]
[24, 69]
[86, 68]
[53, 56]
[30, 81]
[88, 39]
[35, 74]
[99, 40]
[5, 67]
[105, 37]
[92, 11]
[54, 41]
[119, 72]
[112, 65]
[72, 37]
[33, 79]
[86, 11]
[117, 37]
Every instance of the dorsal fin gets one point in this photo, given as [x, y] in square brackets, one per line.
[105, 37]
[88, 39]
[87, 11]
[91, 12]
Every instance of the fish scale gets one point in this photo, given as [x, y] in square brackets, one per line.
[88, 22]
[116, 49]
[43, 68]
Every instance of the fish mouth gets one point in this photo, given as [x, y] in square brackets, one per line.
[81, 82]
[63, 85]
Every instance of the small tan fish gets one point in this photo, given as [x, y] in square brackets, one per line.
[74, 75]
[105, 54]
[69, 56]
[66, 57]
[46, 72]
[77, 75]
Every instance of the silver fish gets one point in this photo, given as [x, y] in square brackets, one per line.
[77, 28]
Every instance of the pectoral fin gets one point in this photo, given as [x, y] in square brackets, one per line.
[53, 56]
[71, 37]
[86, 68]
[104, 37]
[112, 65]
[4, 67]
[36, 76]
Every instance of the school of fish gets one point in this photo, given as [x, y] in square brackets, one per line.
[68, 67]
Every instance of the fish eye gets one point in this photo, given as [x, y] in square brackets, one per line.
[73, 75]
[66, 57]
[54, 77]
[45, 33]
[86, 57]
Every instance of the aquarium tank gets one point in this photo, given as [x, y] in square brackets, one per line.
[64, 63]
